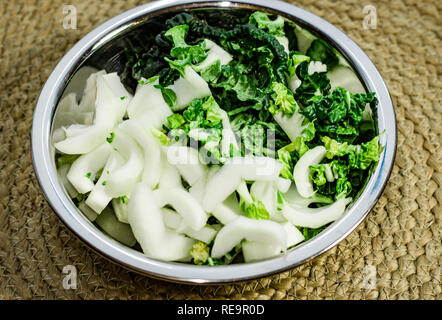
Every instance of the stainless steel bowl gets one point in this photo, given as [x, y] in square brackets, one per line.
[103, 48]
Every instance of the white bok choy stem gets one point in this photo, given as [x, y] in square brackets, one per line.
[98, 199]
[152, 167]
[189, 87]
[228, 210]
[230, 176]
[263, 231]
[255, 251]
[266, 192]
[109, 110]
[315, 217]
[174, 221]
[294, 198]
[292, 125]
[148, 106]
[301, 172]
[146, 220]
[184, 204]
[170, 176]
[186, 160]
[83, 170]
[215, 53]
[122, 180]
[87, 103]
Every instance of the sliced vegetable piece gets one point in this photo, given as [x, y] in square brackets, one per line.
[294, 198]
[122, 181]
[316, 217]
[174, 221]
[98, 199]
[152, 167]
[215, 53]
[119, 231]
[156, 240]
[183, 203]
[189, 87]
[83, 170]
[345, 77]
[228, 210]
[87, 211]
[301, 172]
[263, 231]
[229, 177]
[148, 106]
[187, 162]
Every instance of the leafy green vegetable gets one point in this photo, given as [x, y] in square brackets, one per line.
[321, 51]
[200, 253]
[359, 156]
[262, 21]
[282, 100]
[168, 94]
[312, 87]
[338, 114]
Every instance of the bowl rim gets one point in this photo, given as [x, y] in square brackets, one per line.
[43, 161]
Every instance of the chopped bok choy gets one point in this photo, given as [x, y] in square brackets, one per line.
[236, 145]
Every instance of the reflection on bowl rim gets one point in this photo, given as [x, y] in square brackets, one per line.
[43, 152]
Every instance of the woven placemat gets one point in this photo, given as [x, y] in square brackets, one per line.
[394, 254]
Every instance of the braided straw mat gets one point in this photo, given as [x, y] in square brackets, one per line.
[398, 245]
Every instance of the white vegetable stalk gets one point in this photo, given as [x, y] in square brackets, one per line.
[122, 181]
[228, 210]
[341, 76]
[174, 221]
[301, 171]
[189, 87]
[283, 41]
[292, 126]
[187, 162]
[256, 251]
[263, 231]
[98, 199]
[266, 192]
[214, 54]
[120, 209]
[87, 103]
[152, 167]
[83, 169]
[229, 177]
[315, 217]
[122, 97]
[294, 198]
[316, 66]
[68, 113]
[156, 240]
[109, 110]
[183, 203]
[170, 176]
[304, 39]
[148, 106]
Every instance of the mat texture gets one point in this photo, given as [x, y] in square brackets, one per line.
[398, 246]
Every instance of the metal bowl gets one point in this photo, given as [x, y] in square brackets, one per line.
[103, 48]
